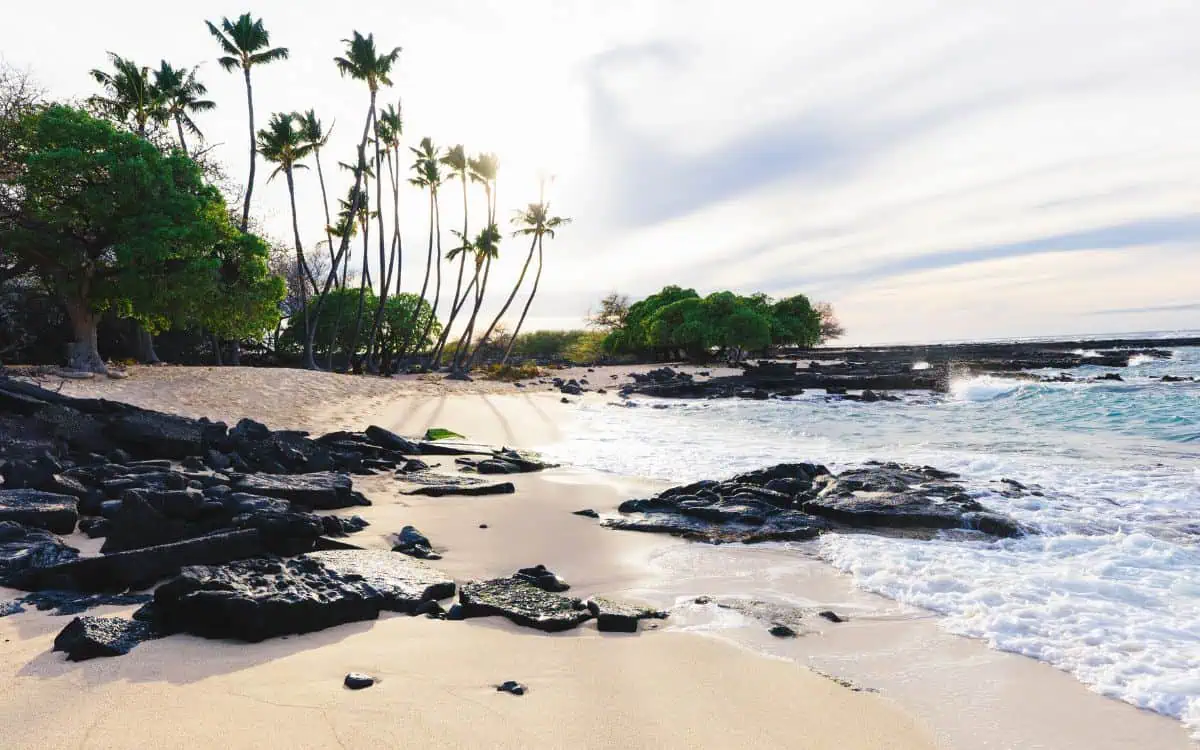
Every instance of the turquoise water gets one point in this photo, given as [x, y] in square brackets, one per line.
[1109, 590]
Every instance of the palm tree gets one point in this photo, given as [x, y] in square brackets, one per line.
[246, 43]
[130, 96]
[486, 248]
[427, 166]
[363, 62]
[456, 159]
[484, 169]
[537, 222]
[181, 92]
[317, 137]
[283, 143]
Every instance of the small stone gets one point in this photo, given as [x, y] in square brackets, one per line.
[782, 631]
[483, 525]
[455, 613]
[587, 512]
[511, 686]
[832, 616]
[358, 681]
[564, 400]
[703, 600]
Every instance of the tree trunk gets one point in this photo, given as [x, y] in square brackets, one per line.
[235, 354]
[464, 344]
[385, 280]
[352, 352]
[253, 151]
[437, 294]
[216, 345]
[412, 321]
[145, 345]
[512, 295]
[532, 293]
[325, 203]
[182, 140]
[307, 360]
[456, 304]
[82, 353]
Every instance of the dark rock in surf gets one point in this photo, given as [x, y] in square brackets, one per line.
[586, 512]
[620, 617]
[523, 603]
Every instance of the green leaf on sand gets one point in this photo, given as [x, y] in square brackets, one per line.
[437, 433]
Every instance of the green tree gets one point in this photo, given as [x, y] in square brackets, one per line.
[248, 295]
[181, 94]
[283, 143]
[246, 43]
[797, 322]
[109, 222]
[684, 325]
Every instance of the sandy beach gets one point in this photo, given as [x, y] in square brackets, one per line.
[663, 689]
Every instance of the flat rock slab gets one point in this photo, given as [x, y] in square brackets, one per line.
[252, 600]
[323, 490]
[523, 603]
[472, 490]
[23, 549]
[43, 510]
[141, 567]
[620, 617]
[90, 637]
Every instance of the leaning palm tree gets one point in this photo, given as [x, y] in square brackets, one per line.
[181, 98]
[537, 222]
[283, 143]
[427, 167]
[456, 159]
[129, 96]
[246, 43]
[317, 137]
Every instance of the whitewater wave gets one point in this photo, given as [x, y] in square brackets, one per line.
[983, 388]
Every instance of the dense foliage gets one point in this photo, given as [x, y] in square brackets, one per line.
[336, 326]
[677, 321]
[107, 221]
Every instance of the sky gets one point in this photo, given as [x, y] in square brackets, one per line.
[935, 170]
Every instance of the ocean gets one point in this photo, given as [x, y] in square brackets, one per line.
[1108, 590]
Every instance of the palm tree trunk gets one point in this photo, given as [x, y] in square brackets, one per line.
[437, 295]
[325, 204]
[512, 295]
[365, 281]
[412, 319]
[182, 140]
[532, 293]
[456, 304]
[253, 151]
[385, 278]
[345, 243]
[465, 342]
[307, 360]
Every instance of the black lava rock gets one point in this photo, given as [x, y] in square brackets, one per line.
[358, 681]
[523, 603]
[782, 631]
[511, 686]
[90, 637]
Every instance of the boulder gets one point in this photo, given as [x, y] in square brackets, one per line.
[523, 603]
[24, 549]
[260, 598]
[390, 440]
[159, 435]
[415, 544]
[43, 510]
[543, 578]
[620, 617]
[91, 637]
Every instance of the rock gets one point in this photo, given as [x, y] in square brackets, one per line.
[162, 435]
[544, 579]
[24, 549]
[415, 544]
[431, 609]
[390, 440]
[43, 510]
[586, 512]
[455, 613]
[483, 525]
[782, 631]
[1111, 376]
[504, 488]
[323, 490]
[252, 600]
[571, 389]
[90, 637]
[358, 681]
[831, 616]
[523, 603]
[140, 567]
[74, 603]
[564, 400]
[511, 686]
[619, 617]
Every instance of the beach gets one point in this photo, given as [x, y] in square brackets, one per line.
[887, 678]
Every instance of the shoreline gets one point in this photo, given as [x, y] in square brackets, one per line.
[932, 684]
